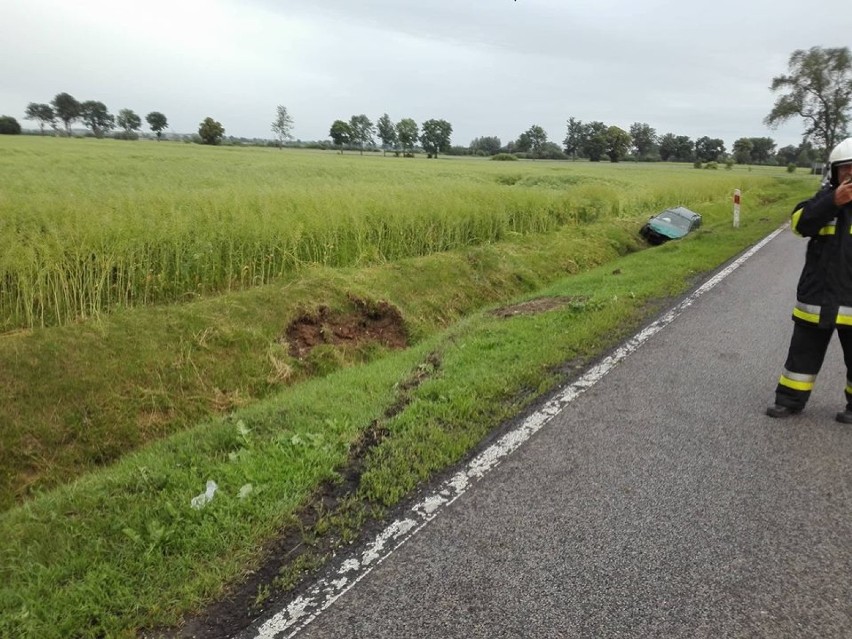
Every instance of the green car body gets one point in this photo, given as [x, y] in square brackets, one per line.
[671, 224]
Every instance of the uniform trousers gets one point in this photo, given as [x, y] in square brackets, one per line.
[804, 360]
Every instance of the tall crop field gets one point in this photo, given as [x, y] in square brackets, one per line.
[90, 225]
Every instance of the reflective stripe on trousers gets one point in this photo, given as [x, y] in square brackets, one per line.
[811, 312]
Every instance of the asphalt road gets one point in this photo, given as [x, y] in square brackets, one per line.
[662, 502]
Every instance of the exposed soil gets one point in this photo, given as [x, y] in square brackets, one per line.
[539, 305]
[377, 322]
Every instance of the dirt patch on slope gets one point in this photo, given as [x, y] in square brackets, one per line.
[539, 305]
[377, 322]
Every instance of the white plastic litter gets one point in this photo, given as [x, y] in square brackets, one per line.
[245, 491]
[200, 501]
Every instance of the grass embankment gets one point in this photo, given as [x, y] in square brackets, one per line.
[83, 395]
[121, 548]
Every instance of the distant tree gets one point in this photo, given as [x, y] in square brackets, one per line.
[784, 156]
[551, 151]
[406, 132]
[676, 148]
[808, 155]
[94, 114]
[489, 145]
[523, 144]
[341, 133]
[594, 141]
[537, 137]
[210, 131]
[819, 91]
[575, 138]
[685, 148]
[644, 140]
[435, 136]
[667, 147]
[762, 150]
[387, 133]
[742, 151]
[41, 112]
[67, 109]
[282, 125]
[9, 125]
[709, 149]
[362, 131]
[157, 121]
[618, 143]
[129, 121]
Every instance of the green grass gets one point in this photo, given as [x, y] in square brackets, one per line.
[87, 226]
[120, 548]
[76, 403]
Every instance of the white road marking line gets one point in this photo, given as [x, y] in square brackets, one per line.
[305, 608]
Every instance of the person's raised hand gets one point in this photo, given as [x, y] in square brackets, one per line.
[843, 193]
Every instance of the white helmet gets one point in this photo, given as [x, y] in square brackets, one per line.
[841, 154]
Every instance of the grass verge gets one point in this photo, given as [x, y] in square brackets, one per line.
[122, 549]
[84, 395]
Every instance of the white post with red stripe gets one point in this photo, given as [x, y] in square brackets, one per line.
[736, 208]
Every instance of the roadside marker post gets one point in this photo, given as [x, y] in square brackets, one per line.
[736, 208]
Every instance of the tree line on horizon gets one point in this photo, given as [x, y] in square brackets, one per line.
[94, 114]
[819, 91]
[593, 141]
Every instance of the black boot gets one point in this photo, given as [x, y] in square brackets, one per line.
[845, 417]
[780, 412]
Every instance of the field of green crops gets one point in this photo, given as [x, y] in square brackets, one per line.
[90, 225]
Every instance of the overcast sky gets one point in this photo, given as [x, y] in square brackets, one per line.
[489, 67]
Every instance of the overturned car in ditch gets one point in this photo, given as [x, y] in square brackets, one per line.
[671, 224]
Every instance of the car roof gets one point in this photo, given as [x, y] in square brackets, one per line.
[683, 212]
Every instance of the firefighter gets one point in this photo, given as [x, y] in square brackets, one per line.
[824, 293]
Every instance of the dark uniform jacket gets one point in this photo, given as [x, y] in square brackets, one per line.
[824, 294]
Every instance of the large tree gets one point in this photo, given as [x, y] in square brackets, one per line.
[435, 136]
[742, 150]
[282, 125]
[644, 139]
[763, 150]
[709, 149]
[387, 133]
[341, 133]
[488, 145]
[755, 151]
[67, 109]
[406, 131]
[129, 121]
[532, 140]
[211, 131]
[362, 130]
[676, 148]
[9, 125]
[594, 141]
[157, 121]
[575, 137]
[94, 115]
[41, 112]
[819, 90]
[787, 155]
[617, 143]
